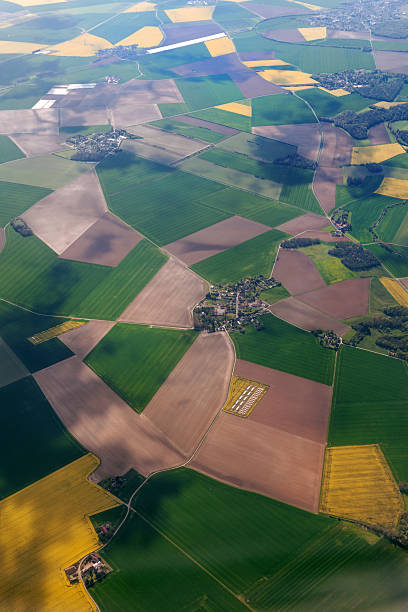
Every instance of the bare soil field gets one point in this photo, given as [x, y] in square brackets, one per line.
[44, 121]
[106, 242]
[179, 32]
[103, 422]
[391, 61]
[82, 340]
[296, 272]
[126, 112]
[269, 11]
[289, 36]
[177, 144]
[83, 116]
[305, 136]
[344, 34]
[224, 64]
[324, 186]
[11, 368]
[309, 221]
[168, 299]
[164, 91]
[62, 217]
[34, 144]
[324, 236]
[378, 135]
[349, 298]
[294, 404]
[195, 391]
[269, 461]
[302, 315]
[152, 152]
[222, 129]
[214, 239]
[247, 56]
[337, 147]
[253, 85]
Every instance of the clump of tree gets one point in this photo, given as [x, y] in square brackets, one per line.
[327, 338]
[354, 256]
[354, 181]
[392, 29]
[298, 243]
[358, 124]
[296, 161]
[21, 227]
[374, 167]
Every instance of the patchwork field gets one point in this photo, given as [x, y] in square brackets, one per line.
[102, 422]
[42, 121]
[394, 187]
[397, 291]
[305, 137]
[8, 150]
[296, 312]
[135, 360]
[297, 272]
[73, 498]
[168, 299]
[376, 153]
[12, 368]
[15, 199]
[359, 485]
[343, 300]
[82, 340]
[48, 171]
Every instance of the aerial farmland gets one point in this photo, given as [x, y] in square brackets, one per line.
[203, 305]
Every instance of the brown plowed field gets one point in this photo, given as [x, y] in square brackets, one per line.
[350, 298]
[378, 135]
[214, 239]
[83, 116]
[216, 127]
[103, 422]
[168, 299]
[294, 404]
[269, 461]
[302, 315]
[324, 236]
[253, 85]
[404, 281]
[289, 36]
[33, 144]
[223, 64]
[125, 113]
[297, 272]
[195, 391]
[306, 222]
[11, 368]
[268, 12]
[171, 143]
[62, 217]
[305, 136]
[337, 147]
[391, 61]
[136, 91]
[324, 186]
[247, 56]
[344, 34]
[43, 121]
[179, 32]
[82, 340]
[106, 242]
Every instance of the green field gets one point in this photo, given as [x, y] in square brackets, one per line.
[120, 172]
[394, 226]
[379, 298]
[237, 202]
[217, 115]
[8, 150]
[346, 194]
[396, 262]
[49, 171]
[366, 211]
[234, 17]
[15, 199]
[250, 258]
[284, 347]
[201, 92]
[297, 182]
[370, 405]
[191, 131]
[293, 559]
[327, 105]
[252, 145]
[275, 295]
[280, 109]
[169, 208]
[85, 130]
[330, 268]
[135, 360]
[399, 161]
[34, 441]
[123, 25]
[33, 276]
[16, 325]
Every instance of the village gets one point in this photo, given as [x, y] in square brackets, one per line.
[96, 147]
[359, 15]
[233, 306]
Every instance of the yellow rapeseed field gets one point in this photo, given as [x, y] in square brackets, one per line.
[265, 62]
[358, 485]
[53, 332]
[298, 87]
[311, 7]
[396, 290]
[190, 13]
[8, 46]
[313, 33]
[148, 36]
[220, 46]
[85, 45]
[393, 187]
[141, 7]
[388, 105]
[376, 153]
[336, 92]
[244, 394]
[237, 108]
[45, 529]
[287, 77]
